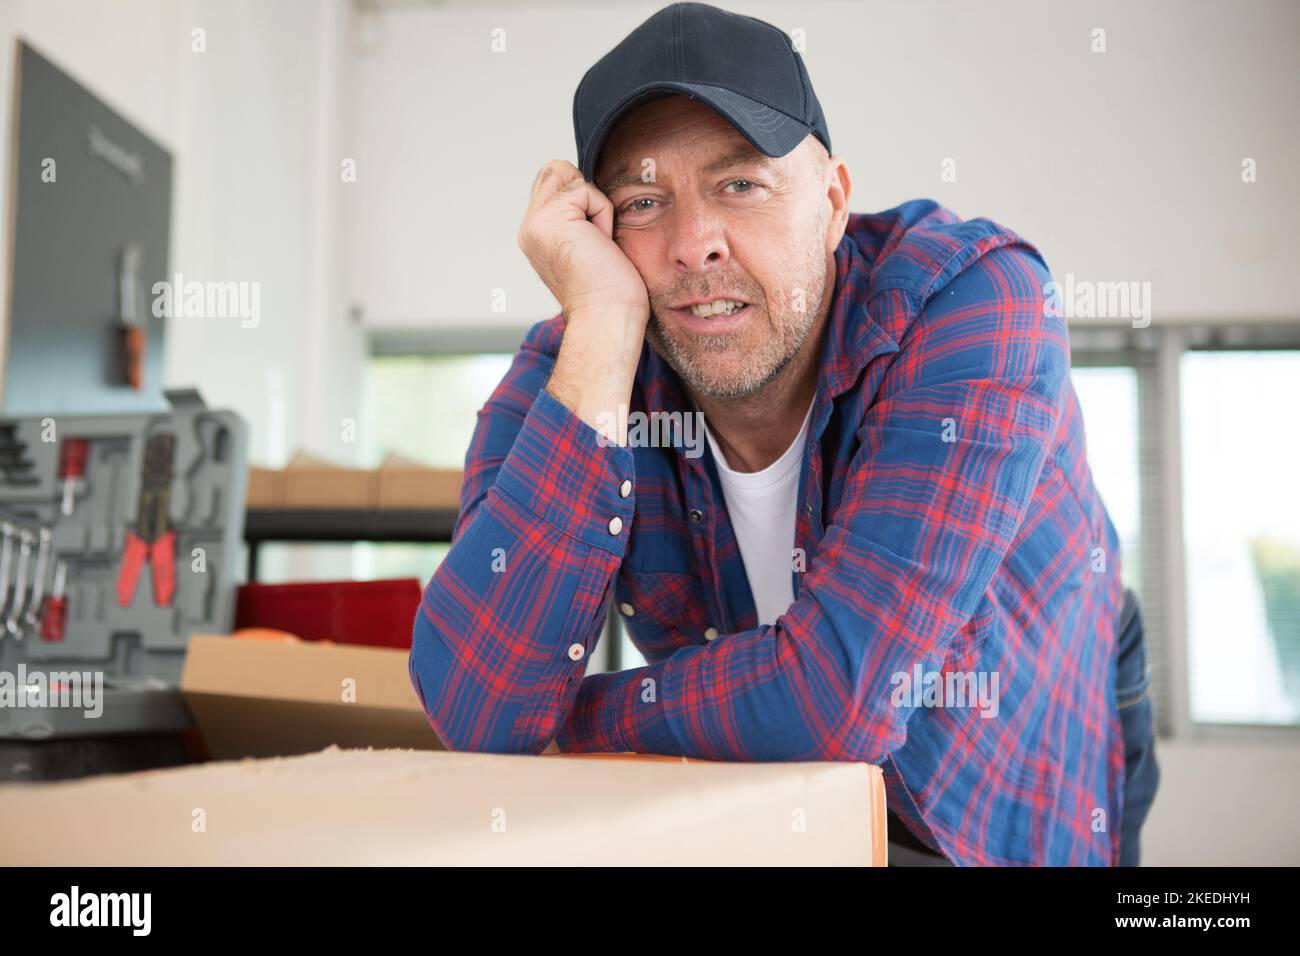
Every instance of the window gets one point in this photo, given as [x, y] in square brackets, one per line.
[1241, 480]
[1108, 396]
[423, 407]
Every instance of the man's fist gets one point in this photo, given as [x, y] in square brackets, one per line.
[568, 236]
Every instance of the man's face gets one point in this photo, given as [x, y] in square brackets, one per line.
[704, 216]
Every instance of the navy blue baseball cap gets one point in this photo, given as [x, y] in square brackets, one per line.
[745, 69]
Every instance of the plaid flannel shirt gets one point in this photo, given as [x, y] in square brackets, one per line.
[947, 523]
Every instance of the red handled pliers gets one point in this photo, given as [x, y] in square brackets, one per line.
[152, 540]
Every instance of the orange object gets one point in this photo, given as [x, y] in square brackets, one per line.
[161, 557]
[134, 356]
[269, 634]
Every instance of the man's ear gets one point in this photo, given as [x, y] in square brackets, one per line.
[839, 186]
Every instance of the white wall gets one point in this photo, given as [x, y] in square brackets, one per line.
[1224, 804]
[254, 126]
[1123, 165]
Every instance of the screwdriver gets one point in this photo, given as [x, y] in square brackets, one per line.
[72, 466]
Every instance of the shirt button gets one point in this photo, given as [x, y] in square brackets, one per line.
[576, 651]
[627, 609]
[625, 489]
[710, 634]
[615, 524]
[696, 515]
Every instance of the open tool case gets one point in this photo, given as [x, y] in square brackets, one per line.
[121, 537]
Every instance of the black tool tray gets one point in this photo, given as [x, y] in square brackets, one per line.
[161, 496]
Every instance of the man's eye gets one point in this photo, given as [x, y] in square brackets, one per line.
[634, 207]
[743, 185]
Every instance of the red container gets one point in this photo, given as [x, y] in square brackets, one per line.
[376, 613]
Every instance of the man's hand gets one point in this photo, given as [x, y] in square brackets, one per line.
[568, 236]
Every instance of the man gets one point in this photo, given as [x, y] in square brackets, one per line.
[891, 549]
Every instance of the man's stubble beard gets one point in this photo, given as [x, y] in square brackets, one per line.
[688, 354]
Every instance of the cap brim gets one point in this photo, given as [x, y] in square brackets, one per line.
[772, 132]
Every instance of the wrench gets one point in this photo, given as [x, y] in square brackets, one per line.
[32, 619]
[7, 529]
[20, 584]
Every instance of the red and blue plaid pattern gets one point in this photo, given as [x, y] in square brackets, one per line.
[947, 522]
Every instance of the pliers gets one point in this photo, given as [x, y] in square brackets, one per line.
[152, 540]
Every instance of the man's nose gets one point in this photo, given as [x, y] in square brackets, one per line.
[698, 239]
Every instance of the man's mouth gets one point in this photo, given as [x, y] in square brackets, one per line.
[716, 317]
[705, 310]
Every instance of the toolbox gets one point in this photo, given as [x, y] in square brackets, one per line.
[120, 538]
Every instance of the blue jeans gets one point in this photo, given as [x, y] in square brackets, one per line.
[1133, 693]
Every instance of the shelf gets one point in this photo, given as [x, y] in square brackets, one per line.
[344, 524]
[328, 524]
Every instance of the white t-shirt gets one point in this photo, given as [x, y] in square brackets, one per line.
[761, 505]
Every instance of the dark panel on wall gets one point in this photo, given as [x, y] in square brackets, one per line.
[112, 188]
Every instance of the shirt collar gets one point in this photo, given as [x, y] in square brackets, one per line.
[853, 337]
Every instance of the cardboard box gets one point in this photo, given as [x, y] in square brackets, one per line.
[256, 699]
[265, 488]
[311, 482]
[404, 807]
[408, 484]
